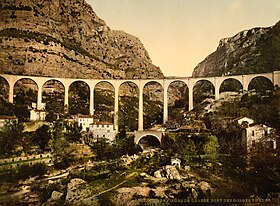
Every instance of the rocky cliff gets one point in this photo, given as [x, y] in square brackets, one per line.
[67, 39]
[251, 51]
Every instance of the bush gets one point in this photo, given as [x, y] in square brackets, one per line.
[25, 171]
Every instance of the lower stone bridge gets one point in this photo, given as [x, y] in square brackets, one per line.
[140, 134]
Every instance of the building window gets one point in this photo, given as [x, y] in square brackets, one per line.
[265, 133]
[108, 131]
[102, 125]
[103, 135]
[253, 133]
[253, 143]
[107, 125]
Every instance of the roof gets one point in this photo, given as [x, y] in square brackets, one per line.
[187, 127]
[101, 123]
[258, 125]
[85, 116]
[239, 118]
[8, 117]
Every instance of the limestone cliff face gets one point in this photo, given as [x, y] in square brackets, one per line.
[67, 39]
[250, 51]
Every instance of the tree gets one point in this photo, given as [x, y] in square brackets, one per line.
[61, 149]
[211, 147]
[10, 136]
[73, 133]
[42, 137]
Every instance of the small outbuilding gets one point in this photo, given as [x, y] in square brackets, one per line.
[176, 162]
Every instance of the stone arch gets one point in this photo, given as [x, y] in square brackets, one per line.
[260, 84]
[141, 136]
[230, 85]
[128, 106]
[26, 96]
[104, 97]
[151, 82]
[178, 99]
[4, 88]
[79, 97]
[202, 90]
[153, 94]
[53, 95]
[26, 84]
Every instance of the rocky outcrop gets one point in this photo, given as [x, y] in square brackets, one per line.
[67, 39]
[251, 51]
[79, 193]
[169, 172]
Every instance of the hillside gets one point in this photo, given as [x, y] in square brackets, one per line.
[67, 39]
[251, 51]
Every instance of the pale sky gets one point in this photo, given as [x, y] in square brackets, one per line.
[178, 34]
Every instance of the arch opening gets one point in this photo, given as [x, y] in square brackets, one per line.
[230, 86]
[128, 106]
[79, 97]
[104, 101]
[25, 97]
[148, 142]
[260, 85]
[53, 93]
[178, 102]
[203, 92]
[4, 89]
[152, 105]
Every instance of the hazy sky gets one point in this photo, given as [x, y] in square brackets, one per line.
[179, 34]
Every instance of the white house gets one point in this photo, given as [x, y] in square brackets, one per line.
[37, 115]
[7, 119]
[84, 121]
[258, 135]
[102, 130]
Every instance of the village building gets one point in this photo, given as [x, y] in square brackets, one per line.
[37, 115]
[7, 119]
[194, 127]
[102, 130]
[176, 162]
[84, 121]
[258, 136]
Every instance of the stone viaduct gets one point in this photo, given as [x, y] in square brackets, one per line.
[244, 80]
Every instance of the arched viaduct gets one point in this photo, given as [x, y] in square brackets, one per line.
[244, 80]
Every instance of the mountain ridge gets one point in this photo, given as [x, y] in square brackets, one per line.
[62, 38]
[255, 50]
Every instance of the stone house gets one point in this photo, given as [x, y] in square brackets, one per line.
[7, 119]
[102, 130]
[258, 136]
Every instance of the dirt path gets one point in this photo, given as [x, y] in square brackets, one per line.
[116, 186]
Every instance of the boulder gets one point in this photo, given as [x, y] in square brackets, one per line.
[205, 187]
[171, 172]
[187, 168]
[56, 196]
[194, 193]
[77, 191]
[157, 174]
